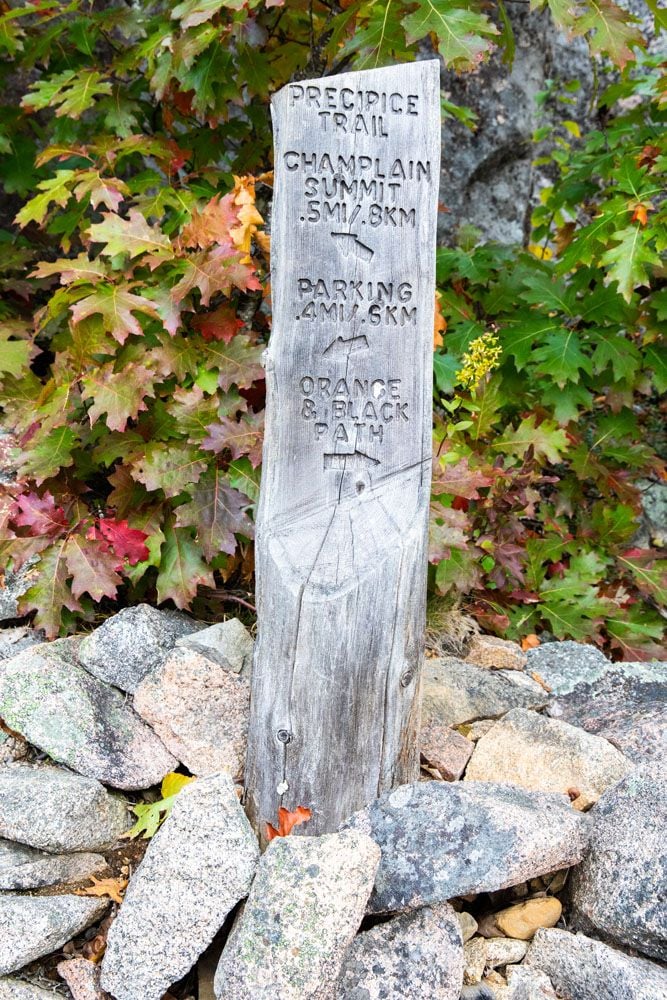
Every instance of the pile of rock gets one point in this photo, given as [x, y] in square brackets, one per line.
[536, 817]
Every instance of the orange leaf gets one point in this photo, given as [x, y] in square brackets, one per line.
[439, 324]
[530, 641]
[111, 887]
[640, 214]
[287, 821]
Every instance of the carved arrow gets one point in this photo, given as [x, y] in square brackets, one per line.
[349, 461]
[341, 347]
[350, 243]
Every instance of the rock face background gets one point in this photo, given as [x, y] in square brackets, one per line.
[487, 179]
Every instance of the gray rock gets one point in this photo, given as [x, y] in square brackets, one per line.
[304, 908]
[563, 665]
[478, 992]
[14, 640]
[527, 983]
[488, 179]
[227, 643]
[441, 840]
[626, 706]
[79, 721]
[32, 926]
[619, 889]
[455, 692]
[546, 755]
[15, 584]
[653, 530]
[25, 868]
[581, 968]
[199, 710]
[83, 979]
[17, 989]
[415, 956]
[199, 864]
[127, 646]
[55, 810]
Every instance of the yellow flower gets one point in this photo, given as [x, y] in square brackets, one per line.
[482, 357]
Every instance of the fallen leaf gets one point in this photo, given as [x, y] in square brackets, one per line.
[114, 888]
[287, 821]
[540, 680]
[530, 642]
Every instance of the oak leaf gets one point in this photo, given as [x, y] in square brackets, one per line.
[241, 437]
[40, 514]
[221, 324]
[116, 304]
[212, 224]
[50, 592]
[120, 395]
[132, 236]
[92, 567]
[114, 888]
[182, 569]
[126, 542]
[217, 511]
[78, 269]
[212, 271]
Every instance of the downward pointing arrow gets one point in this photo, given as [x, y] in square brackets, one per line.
[350, 243]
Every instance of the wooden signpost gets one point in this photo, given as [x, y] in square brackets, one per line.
[342, 520]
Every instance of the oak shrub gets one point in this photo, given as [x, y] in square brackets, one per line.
[135, 307]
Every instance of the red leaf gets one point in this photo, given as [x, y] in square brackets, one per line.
[287, 821]
[127, 543]
[221, 324]
[40, 514]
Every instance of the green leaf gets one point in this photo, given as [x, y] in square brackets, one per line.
[617, 351]
[561, 357]
[121, 395]
[169, 467]
[378, 37]
[14, 354]
[462, 32]
[547, 440]
[133, 236]
[50, 593]
[151, 815]
[55, 189]
[48, 455]
[70, 93]
[613, 32]
[461, 571]
[116, 304]
[655, 359]
[182, 569]
[193, 12]
[628, 261]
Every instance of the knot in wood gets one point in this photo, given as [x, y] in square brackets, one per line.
[284, 736]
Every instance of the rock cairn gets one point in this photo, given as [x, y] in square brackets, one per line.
[526, 863]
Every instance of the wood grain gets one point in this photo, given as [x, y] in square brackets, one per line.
[343, 511]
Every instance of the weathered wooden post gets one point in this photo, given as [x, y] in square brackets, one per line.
[342, 521]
